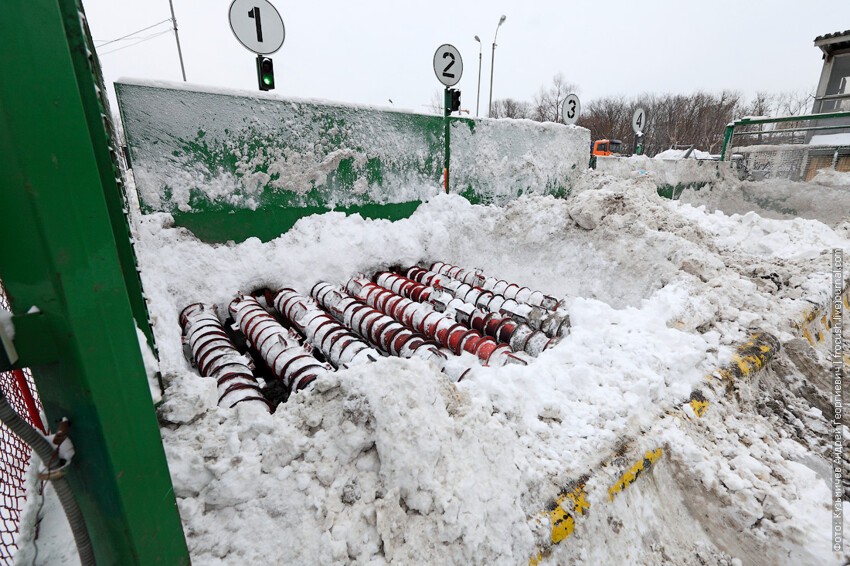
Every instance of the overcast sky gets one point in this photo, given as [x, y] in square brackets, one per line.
[372, 51]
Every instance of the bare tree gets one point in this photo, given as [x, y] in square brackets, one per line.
[511, 108]
[546, 106]
[437, 103]
[793, 102]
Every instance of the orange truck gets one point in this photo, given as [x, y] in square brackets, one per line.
[606, 147]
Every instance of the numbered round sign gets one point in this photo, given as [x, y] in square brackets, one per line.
[571, 109]
[639, 120]
[257, 25]
[448, 66]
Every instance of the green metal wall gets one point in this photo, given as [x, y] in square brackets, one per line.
[229, 165]
[64, 249]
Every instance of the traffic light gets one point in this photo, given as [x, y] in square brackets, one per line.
[455, 106]
[265, 73]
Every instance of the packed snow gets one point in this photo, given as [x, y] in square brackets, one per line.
[394, 462]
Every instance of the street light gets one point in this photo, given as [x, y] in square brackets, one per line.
[478, 97]
[492, 57]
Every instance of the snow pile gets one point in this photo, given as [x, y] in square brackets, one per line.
[825, 198]
[842, 138]
[391, 462]
[499, 159]
[832, 178]
[666, 172]
[680, 154]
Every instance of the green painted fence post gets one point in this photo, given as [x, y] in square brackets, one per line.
[61, 251]
[447, 100]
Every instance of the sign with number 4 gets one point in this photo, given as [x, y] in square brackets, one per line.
[448, 65]
[639, 120]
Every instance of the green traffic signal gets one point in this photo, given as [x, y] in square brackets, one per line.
[265, 73]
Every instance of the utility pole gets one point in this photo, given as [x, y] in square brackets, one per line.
[478, 96]
[492, 59]
[177, 37]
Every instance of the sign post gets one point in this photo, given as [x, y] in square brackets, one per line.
[257, 25]
[448, 66]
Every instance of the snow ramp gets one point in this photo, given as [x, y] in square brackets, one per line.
[230, 165]
[719, 186]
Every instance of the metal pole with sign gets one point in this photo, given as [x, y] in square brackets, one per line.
[638, 124]
[258, 26]
[448, 66]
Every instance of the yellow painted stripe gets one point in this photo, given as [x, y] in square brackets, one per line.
[634, 472]
[699, 407]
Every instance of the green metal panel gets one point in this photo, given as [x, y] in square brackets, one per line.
[727, 139]
[230, 164]
[59, 251]
[96, 107]
[730, 128]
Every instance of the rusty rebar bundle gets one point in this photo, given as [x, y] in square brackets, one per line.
[215, 356]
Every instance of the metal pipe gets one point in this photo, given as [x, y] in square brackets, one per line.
[177, 38]
[498, 286]
[503, 328]
[553, 323]
[478, 95]
[48, 454]
[379, 329]
[338, 344]
[280, 349]
[438, 327]
[29, 400]
[216, 356]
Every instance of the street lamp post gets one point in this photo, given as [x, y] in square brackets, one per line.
[492, 58]
[478, 96]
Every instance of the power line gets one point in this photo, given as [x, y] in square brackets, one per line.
[129, 35]
[147, 38]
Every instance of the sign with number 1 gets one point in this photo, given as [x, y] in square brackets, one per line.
[448, 65]
[257, 25]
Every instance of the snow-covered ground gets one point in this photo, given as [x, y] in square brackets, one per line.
[392, 462]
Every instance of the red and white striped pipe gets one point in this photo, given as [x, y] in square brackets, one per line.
[497, 286]
[520, 336]
[434, 325]
[216, 356]
[379, 329]
[339, 345]
[403, 286]
[281, 350]
[552, 323]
